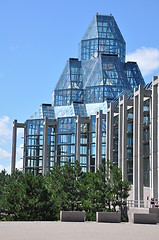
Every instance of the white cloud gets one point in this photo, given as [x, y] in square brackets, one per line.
[4, 154]
[19, 164]
[147, 59]
[19, 159]
[8, 169]
[5, 129]
[1, 168]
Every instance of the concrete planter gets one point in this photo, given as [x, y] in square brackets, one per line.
[72, 216]
[142, 218]
[132, 210]
[156, 212]
[109, 217]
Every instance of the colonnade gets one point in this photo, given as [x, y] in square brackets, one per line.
[121, 110]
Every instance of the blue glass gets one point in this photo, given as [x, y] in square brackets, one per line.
[99, 76]
[102, 37]
[134, 75]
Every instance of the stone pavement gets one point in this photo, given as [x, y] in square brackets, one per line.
[76, 231]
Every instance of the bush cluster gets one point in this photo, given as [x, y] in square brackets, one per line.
[24, 197]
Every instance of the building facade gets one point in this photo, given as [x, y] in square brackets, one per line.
[101, 109]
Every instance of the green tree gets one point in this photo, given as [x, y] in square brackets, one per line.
[27, 198]
[4, 177]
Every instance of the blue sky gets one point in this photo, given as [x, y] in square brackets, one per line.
[38, 36]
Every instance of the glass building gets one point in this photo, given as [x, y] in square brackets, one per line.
[86, 86]
[101, 109]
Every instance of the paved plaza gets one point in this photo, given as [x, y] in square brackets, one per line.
[75, 231]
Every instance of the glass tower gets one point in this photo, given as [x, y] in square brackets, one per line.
[87, 84]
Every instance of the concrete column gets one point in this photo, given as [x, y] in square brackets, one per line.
[155, 142]
[150, 148]
[157, 172]
[135, 148]
[25, 146]
[107, 135]
[124, 139]
[111, 118]
[78, 134]
[155, 133]
[89, 147]
[96, 154]
[45, 133]
[99, 153]
[56, 141]
[120, 134]
[155, 137]
[14, 142]
[140, 145]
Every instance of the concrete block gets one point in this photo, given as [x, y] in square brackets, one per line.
[144, 218]
[156, 212]
[72, 216]
[132, 210]
[110, 217]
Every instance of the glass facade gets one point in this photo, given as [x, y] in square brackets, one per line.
[34, 146]
[87, 84]
[66, 141]
[101, 73]
[102, 37]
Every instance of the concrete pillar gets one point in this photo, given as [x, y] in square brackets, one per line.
[155, 132]
[96, 154]
[99, 153]
[14, 142]
[124, 139]
[111, 118]
[140, 145]
[107, 135]
[78, 134]
[56, 141]
[150, 147]
[25, 146]
[157, 172]
[120, 134]
[89, 147]
[45, 133]
[135, 148]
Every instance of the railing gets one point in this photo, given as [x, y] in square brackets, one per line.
[139, 204]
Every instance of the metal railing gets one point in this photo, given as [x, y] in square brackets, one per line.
[138, 204]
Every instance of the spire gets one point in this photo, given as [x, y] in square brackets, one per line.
[102, 37]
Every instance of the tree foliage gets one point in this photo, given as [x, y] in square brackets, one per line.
[29, 198]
